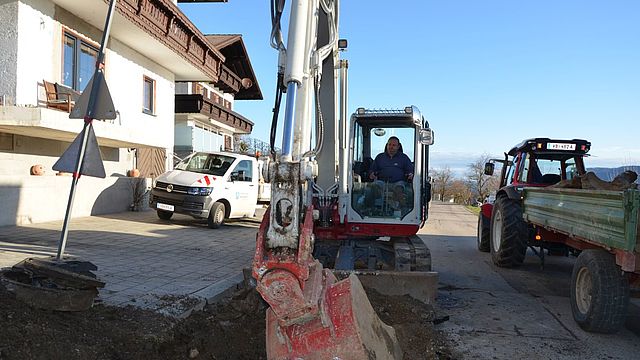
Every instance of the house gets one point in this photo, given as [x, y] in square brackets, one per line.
[155, 58]
[205, 120]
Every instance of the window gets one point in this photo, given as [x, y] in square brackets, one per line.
[246, 167]
[148, 96]
[512, 169]
[79, 62]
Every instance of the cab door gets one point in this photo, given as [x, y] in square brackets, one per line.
[243, 189]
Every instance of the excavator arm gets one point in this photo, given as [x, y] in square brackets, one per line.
[312, 315]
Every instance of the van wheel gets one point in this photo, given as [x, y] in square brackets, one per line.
[216, 215]
[164, 215]
[599, 292]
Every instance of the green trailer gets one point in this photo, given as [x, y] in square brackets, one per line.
[602, 227]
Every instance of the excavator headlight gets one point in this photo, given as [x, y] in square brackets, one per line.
[408, 110]
[360, 111]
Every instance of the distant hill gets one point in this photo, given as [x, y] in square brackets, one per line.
[608, 174]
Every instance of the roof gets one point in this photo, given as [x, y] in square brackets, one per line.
[540, 145]
[237, 59]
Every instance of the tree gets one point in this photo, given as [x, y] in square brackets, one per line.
[460, 191]
[441, 181]
[244, 147]
[482, 184]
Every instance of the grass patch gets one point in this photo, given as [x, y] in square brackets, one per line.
[473, 209]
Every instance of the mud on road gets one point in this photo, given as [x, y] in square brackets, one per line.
[232, 328]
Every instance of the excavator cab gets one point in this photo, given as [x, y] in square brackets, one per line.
[386, 200]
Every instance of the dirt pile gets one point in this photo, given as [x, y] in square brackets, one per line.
[230, 329]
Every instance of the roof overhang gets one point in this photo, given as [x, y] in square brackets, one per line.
[237, 61]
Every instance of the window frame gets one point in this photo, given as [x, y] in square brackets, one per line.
[78, 41]
[152, 110]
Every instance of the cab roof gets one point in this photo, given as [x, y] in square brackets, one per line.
[552, 146]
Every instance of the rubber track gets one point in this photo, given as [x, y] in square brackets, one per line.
[412, 254]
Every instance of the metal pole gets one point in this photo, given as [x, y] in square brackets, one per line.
[88, 119]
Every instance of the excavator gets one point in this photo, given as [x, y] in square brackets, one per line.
[333, 217]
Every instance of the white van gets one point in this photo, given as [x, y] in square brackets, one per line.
[210, 185]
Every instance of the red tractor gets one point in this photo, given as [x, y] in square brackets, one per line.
[538, 162]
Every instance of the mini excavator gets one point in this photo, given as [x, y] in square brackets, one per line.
[330, 220]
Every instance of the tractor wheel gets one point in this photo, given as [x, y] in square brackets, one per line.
[599, 292]
[483, 235]
[508, 233]
[164, 215]
[216, 215]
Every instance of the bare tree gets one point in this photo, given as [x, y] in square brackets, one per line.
[441, 181]
[482, 184]
[461, 191]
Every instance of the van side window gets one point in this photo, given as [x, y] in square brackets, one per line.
[247, 167]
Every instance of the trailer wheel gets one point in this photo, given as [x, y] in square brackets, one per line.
[216, 215]
[483, 235]
[508, 233]
[164, 215]
[599, 292]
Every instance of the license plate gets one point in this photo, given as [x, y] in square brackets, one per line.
[162, 206]
[561, 146]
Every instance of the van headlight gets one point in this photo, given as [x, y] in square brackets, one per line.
[201, 191]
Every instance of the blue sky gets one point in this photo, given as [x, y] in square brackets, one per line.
[486, 74]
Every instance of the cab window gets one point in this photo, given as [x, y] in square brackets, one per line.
[243, 171]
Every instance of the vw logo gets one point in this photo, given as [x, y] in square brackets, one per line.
[169, 188]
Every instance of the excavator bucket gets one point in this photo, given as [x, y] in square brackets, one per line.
[312, 315]
[348, 329]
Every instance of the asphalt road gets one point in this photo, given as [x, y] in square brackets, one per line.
[511, 313]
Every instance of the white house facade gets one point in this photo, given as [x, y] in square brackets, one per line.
[47, 55]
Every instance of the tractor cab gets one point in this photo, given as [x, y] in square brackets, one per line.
[379, 192]
[541, 162]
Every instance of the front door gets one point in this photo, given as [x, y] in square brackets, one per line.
[243, 189]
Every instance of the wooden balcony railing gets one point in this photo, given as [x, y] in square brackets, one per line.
[163, 20]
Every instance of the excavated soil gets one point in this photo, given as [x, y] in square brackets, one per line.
[232, 328]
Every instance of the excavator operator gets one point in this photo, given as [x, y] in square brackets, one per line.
[392, 165]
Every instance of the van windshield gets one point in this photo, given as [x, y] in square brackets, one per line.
[205, 163]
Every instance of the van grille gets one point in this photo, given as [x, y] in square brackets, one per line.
[176, 188]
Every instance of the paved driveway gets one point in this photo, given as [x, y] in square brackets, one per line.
[146, 262]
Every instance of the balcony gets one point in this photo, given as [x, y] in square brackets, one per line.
[41, 122]
[157, 29]
[204, 110]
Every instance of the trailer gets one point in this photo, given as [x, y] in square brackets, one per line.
[602, 228]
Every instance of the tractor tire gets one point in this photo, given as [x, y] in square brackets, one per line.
[508, 233]
[164, 215]
[216, 215]
[599, 292]
[483, 235]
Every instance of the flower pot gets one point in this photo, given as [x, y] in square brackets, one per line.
[37, 170]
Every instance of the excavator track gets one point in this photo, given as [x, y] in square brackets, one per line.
[399, 266]
[397, 254]
[412, 254]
